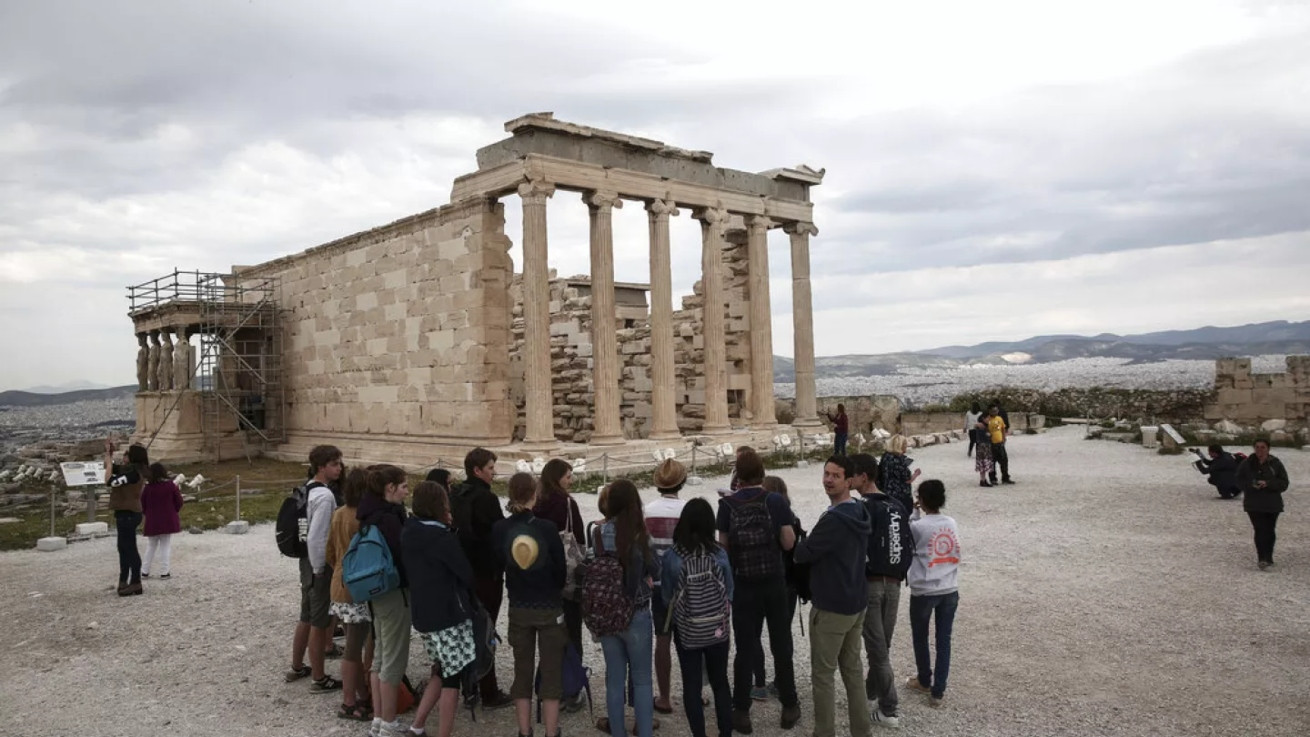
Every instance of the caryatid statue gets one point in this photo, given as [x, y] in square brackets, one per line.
[182, 361]
[152, 362]
[165, 360]
[142, 363]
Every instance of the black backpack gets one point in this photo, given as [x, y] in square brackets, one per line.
[752, 543]
[891, 546]
[292, 527]
[798, 574]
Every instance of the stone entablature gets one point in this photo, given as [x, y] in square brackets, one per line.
[1251, 399]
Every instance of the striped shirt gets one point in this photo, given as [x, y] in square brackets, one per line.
[661, 517]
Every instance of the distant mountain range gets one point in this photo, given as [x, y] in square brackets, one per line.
[36, 399]
[1207, 343]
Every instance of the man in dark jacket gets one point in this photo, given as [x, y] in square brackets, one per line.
[1221, 467]
[836, 551]
[891, 548]
[1262, 479]
[476, 508]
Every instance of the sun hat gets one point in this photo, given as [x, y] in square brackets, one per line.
[670, 475]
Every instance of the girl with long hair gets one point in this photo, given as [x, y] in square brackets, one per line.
[161, 501]
[125, 481]
[354, 616]
[624, 535]
[441, 602]
[383, 506]
[555, 503]
[694, 538]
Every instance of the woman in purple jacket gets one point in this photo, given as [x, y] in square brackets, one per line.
[160, 501]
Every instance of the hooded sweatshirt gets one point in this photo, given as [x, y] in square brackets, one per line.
[836, 549]
[936, 555]
[390, 521]
[539, 586]
[319, 507]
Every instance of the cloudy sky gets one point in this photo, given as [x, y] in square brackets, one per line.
[995, 170]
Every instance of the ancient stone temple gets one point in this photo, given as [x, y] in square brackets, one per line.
[418, 338]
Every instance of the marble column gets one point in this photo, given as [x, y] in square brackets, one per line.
[802, 317]
[142, 363]
[713, 221]
[165, 360]
[606, 428]
[152, 362]
[539, 433]
[757, 259]
[664, 412]
[182, 361]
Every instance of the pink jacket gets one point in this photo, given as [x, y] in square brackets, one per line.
[161, 501]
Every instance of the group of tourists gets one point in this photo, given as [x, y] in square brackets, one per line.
[649, 580]
[141, 491]
[987, 433]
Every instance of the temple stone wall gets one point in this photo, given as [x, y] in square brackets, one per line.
[1252, 399]
[400, 331]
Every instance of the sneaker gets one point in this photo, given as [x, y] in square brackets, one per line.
[773, 689]
[166, 576]
[741, 722]
[1264, 566]
[883, 720]
[872, 704]
[499, 700]
[1007, 481]
[790, 715]
[985, 484]
[394, 729]
[936, 701]
[759, 693]
[914, 685]
[575, 703]
[375, 729]
[324, 685]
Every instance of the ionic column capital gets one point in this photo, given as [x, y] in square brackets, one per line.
[759, 222]
[536, 191]
[711, 215]
[602, 199]
[799, 228]
[662, 208]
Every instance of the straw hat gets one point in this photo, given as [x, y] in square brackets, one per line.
[524, 550]
[670, 475]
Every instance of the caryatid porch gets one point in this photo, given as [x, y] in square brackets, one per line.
[545, 156]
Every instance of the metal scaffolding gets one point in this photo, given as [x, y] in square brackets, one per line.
[239, 370]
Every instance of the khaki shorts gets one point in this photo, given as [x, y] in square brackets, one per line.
[542, 631]
[315, 595]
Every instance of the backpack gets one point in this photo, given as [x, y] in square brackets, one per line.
[367, 568]
[798, 574]
[700, 610]
[485, 641]
[891, 547]
[752, 543]
[292, 527]
[606, 607]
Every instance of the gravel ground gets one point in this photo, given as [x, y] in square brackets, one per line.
[1109, 592]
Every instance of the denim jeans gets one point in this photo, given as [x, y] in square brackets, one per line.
[839, 443]
[129, 558]
[879, 624]
[755, 603]
[922, 610]
[632, 649]
[714, 661]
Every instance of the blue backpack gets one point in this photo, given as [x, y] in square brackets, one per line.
[367, 568]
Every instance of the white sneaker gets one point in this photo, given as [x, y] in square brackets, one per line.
[882, 720]
[873, 705]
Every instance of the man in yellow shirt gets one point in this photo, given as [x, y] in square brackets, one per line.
[997, 428]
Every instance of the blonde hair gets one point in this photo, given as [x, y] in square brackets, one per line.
[897, 444]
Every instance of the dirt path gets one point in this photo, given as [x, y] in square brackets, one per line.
[1109, 592]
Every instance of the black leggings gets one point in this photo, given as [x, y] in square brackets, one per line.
[1264, 523]
[129, 558]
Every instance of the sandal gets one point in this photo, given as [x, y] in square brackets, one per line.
[664, 709]
[295, 674]
[324, 684]
[356, 712]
